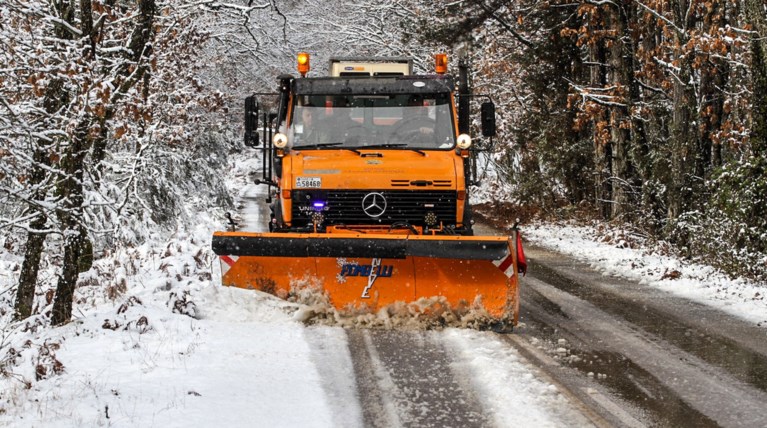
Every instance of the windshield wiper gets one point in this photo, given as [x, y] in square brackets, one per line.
[321, 145]
[389, 145]
[384, 145]
[317, 146]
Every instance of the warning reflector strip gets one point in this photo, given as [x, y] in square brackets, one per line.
[506, 265]
[227, 262]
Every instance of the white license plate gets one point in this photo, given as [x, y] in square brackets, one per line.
[308, 182]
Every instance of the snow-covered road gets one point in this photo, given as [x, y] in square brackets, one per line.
[668, 360]
[247, 362]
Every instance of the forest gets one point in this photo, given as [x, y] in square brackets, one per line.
[117, 117]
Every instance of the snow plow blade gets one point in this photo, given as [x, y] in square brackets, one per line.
[368, 271]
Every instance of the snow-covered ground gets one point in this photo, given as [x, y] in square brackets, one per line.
[177, 349]
[156, 341]
[618, 253]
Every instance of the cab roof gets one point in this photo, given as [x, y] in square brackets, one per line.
[425, 84]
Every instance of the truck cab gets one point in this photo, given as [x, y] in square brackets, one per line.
[371, 147]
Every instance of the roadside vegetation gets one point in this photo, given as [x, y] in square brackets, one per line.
[647, 114]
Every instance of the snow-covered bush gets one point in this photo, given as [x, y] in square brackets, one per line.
[730, 232]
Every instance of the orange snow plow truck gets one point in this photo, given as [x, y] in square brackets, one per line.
[369, 172]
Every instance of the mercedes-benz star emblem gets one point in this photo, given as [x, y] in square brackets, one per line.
[374, 204]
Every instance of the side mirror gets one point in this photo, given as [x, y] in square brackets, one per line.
[251, 121]
[487, 113]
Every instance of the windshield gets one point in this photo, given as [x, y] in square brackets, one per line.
[410, 121]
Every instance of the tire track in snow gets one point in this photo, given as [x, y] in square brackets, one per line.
[673, 385]
[405, 378]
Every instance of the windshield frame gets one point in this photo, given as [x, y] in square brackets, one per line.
[402, 121]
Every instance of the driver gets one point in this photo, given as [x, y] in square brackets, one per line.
[314, 131]
[416, 127]
[346, 130]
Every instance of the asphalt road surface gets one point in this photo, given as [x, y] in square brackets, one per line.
[664, 360]
[623, 353]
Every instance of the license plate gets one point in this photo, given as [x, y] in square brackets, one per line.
[308, 182]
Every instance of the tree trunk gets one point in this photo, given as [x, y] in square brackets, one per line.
[55, 98]
[139, 50]
[65, 289]
[25, 295]
[621, 124]
[602, 145]
[713, 78]
[684, 146]
[70, 191]
[686, 156]
[76, 243]
[755, 16]
[755, 13]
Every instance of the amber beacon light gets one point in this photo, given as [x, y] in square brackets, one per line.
[440, 63]
[303, 63]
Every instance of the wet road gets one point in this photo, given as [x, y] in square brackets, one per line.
[658, 359]
[404, 378]
[252, 207]
[623, 353]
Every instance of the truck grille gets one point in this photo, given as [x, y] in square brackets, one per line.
[345, 206]
[421, 183]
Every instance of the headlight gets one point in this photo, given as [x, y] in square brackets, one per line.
[464, 141]
[280, 140]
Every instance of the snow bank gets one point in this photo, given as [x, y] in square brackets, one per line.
[508, 388]
[618, 254]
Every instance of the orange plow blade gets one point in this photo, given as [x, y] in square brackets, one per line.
[364, 271]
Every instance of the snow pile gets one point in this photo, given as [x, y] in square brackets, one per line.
[618, 253]
[433, 313]
[508, 387]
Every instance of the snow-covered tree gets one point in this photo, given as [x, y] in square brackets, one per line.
[95, 96]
